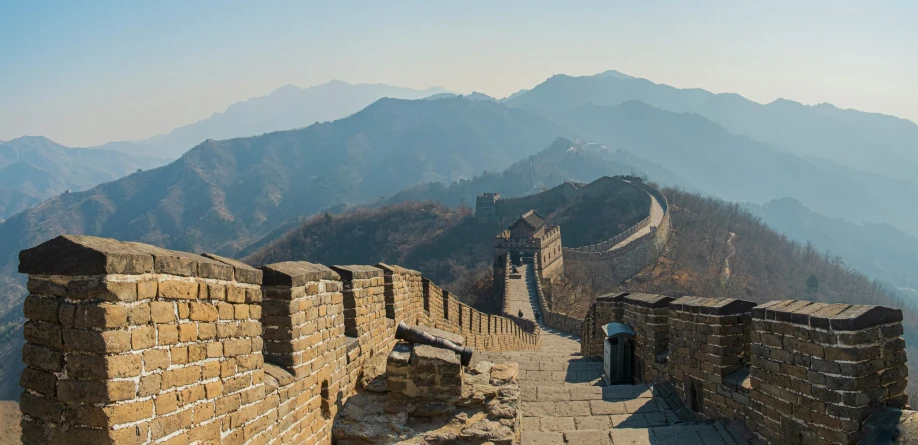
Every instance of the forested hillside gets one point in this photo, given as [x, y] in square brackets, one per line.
[449, 245]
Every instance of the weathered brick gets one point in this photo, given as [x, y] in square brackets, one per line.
[95, 367]
[100, 315]
[214, 349]
[162, 312]
[235, 294]
[41, 309]
[95, 289]
[203, 312]
[187, 332]
[139, 314]
[53, 287]
[167, 335]
[42, 333]
[181, 377]
[42, 382]
[179, 290]
[146, 289]
[44, 408]
[77, 391]
[150, 385]
[232, 348]
[179, 355]
[110, 415]
[155, 359]
[162, 426]
[42, 357]
[84, 340]
[196, 352]
[225, 311]
[143, 337]
[207, 331]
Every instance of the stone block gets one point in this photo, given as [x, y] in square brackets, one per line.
[84, 255]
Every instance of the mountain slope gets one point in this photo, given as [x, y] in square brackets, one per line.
[563, 160]
[878, 250]
[285, 108]
[866, 141]
[35, 168]
[738, 168]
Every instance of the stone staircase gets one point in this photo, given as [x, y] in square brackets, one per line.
[564, 401]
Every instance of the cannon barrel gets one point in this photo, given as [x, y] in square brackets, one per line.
[417, 336]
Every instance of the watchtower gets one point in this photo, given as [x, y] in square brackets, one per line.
[486, 205]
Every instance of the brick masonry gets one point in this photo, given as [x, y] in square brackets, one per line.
[129, 343]
[792, 371]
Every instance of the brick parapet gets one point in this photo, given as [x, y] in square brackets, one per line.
[607, 309]
[792, 371]
[129, 343]
[709, 340]
[819, 370]
[648, 316]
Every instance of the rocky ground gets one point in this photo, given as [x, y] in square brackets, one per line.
[487, 412]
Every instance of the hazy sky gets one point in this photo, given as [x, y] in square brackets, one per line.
[84, 73]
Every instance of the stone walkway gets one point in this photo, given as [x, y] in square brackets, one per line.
[656, 216]
[521, 291]
[564, 401]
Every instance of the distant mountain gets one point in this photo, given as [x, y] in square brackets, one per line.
[738, 168]
[563, 160]
[881, 251]
[35, 168]
[865, 141]
[286, 108]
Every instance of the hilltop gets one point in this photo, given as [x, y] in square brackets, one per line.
[866, 141]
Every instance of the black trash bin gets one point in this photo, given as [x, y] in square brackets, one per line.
[617, 354]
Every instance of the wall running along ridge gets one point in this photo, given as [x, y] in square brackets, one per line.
[130, 343]
[615, 265]
[625, 261]
[792, 371]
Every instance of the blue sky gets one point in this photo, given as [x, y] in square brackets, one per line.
[84, 73]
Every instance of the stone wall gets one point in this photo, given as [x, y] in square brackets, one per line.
[607, 307]
[130, 343]
[792, 371]
[648, 316]
[551, 318]
[618, 264]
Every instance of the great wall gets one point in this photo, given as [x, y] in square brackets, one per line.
[130, 343]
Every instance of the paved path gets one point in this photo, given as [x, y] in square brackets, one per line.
[656, 216]
[564, 400]
[521, 293]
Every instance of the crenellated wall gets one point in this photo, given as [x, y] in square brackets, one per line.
[792, 371]
[130, 343]
[618, 261]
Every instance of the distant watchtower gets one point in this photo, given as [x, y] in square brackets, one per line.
[530, 240]
[486, 205]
